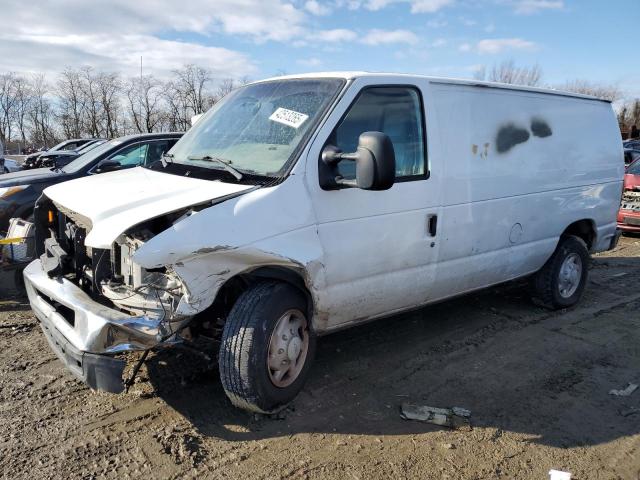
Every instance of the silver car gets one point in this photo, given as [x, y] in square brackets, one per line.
[8, 165]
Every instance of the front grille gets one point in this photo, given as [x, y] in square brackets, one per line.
[60, 245]
[65, 312]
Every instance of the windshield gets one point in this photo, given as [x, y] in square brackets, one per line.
[83, 160]
[89, 146]
[61, 145]
[257, 129]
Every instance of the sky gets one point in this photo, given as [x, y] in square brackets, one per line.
[594, 40]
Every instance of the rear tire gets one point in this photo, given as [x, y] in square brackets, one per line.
[562, 280]
[258, 373]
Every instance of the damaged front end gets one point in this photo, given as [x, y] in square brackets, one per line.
[95, 303]
[629, 215]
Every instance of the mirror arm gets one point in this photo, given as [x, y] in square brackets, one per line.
[346, 183]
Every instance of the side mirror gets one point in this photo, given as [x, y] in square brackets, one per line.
[375, 162]
[108, 166]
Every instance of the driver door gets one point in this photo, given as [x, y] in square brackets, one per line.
[380, 247]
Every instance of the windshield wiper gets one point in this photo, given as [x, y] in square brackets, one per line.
[226, 164]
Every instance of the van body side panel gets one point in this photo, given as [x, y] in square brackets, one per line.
[378, 254]
[518, 168]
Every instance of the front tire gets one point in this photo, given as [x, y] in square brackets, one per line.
[267, 347]
[562, 280]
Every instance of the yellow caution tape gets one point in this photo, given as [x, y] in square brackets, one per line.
[10, 241]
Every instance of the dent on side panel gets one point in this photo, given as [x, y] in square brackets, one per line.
[204, 273]
[267, 227]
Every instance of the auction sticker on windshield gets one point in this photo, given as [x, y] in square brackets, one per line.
[290, 118]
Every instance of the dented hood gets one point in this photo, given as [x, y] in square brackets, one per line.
[116, 201]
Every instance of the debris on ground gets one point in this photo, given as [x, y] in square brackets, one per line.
[455, 417]
[631, 387]
[559, 475]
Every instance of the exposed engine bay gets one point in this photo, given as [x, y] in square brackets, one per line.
[110, 276]
[631, 200]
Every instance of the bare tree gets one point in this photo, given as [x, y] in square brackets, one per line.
[629, 115]
[7, 102]
[93, 106]
[72, 102]
[604, 91]
[509, 72]
[109, 88]
[21, 107]
[226, 86]
[145, 108]
[178, 111]
[41, 115]
[192, 81]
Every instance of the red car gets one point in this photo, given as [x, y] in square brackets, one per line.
[629, 214]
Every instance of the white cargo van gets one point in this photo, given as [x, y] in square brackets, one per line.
[301, 205]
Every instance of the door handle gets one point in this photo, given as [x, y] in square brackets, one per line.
[432, 225]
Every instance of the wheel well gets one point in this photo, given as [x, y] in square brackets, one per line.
[211, 320]
[584, 229]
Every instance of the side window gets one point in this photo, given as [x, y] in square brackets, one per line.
[156, 149]
[396, 111]
[132, 155]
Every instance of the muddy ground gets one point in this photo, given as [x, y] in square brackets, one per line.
[536, 382]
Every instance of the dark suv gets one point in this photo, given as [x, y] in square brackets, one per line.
[71, 144]
[20, 190]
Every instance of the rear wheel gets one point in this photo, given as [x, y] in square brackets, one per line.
[562, 280]
[267, 347]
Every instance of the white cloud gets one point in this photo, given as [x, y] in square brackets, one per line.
[258, 19]
[316, 8]
[429, 6]
[335, 35]
[38, 53]
[417, 6]
[498, 45]
[385, 37]
[527, 7]
[310, 62]
[439, 42]
[465, 47]
[50, 35]
[437, 23]
[468, 22]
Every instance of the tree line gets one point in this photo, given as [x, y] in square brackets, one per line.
[509, 72]
[83, 102]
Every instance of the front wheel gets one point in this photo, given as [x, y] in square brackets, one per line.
[562, 280]
[267, 347]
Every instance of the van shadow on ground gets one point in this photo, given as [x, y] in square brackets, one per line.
[516, 366]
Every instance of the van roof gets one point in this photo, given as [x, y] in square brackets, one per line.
[441, 80]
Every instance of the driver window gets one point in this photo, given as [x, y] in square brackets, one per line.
[396, 111]
[131, 156]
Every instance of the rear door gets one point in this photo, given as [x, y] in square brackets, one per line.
[380, 247]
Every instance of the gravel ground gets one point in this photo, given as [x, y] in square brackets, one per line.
[536, 383]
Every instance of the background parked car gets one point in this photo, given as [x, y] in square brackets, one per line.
[60, 158]
[631, 155]
[8, 165]
[71, 144]
[632, 144]
[20, 190]
[629, 214]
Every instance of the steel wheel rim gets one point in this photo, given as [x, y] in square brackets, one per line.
[570, 275]
[288, 347]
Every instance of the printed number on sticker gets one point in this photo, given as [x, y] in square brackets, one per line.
[288, 117]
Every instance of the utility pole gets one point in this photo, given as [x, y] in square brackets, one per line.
[140, 106]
